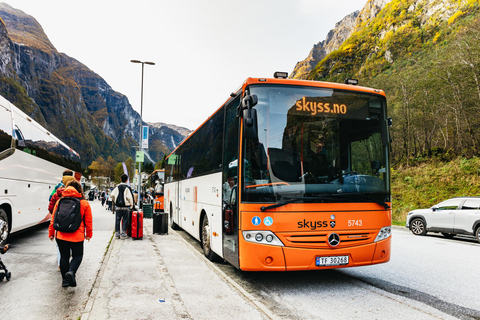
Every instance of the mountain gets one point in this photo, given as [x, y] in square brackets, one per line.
[336, 37]
[164, 138]
[424, 55]
[68, 98]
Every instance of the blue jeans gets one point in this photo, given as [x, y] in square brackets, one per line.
[121, 215]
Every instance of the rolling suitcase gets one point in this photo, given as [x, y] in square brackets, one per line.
[137, 225]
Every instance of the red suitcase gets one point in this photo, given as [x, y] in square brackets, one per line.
[137, 225]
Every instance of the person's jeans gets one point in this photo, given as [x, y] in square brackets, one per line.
[121, 215]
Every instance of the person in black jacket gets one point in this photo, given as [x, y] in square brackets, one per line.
[123, 199]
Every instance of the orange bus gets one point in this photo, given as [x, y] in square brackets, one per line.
[287, 175]
[155, 182]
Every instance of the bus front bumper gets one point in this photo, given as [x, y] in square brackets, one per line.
[273, 258]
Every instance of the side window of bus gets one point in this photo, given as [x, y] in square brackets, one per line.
[202, 152]
[36, 140]
[230, 160]
[5, 128]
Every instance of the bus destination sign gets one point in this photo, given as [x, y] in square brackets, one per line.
[331, 106]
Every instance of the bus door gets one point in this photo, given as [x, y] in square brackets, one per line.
[230, 184]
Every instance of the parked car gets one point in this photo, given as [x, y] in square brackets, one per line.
[451, 217]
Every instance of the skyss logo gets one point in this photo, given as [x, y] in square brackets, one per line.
[313, 225]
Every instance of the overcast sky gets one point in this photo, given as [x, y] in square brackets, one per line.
[203, 49]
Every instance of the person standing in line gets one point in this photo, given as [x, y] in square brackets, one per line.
[123, 199]
[67, 177]
[71, 243]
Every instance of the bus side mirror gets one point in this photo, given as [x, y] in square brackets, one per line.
[250, 125]
[250, 116]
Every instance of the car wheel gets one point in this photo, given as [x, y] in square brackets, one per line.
[448, 235]
[206, 240]
[4, 230]
[418, 227]
[477, 234]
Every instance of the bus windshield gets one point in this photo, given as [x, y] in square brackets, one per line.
[317, 145]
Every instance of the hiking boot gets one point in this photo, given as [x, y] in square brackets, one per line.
[64, 283]
[70, 277]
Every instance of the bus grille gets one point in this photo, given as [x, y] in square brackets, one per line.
[319, 239]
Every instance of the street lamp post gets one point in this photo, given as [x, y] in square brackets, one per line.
[139, 180]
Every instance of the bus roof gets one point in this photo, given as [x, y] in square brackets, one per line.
[291, 82]
[311, 83]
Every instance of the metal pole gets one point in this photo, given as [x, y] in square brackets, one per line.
[139, 188]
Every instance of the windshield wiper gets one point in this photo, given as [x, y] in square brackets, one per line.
[281, 204]
[363, 196]
[329, 197]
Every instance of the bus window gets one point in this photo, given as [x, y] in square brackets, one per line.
[5, 128]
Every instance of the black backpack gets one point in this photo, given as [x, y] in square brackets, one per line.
[67, 217]
[120, 200]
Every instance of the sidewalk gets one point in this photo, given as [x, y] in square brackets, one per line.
[163, 277]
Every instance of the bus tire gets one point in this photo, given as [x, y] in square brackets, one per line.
[206, 240]
[173, 225]
[4, 231]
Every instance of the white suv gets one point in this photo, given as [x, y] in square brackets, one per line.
[450, 217]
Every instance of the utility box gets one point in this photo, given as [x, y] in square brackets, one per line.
[147, 210]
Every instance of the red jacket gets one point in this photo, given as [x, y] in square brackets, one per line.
[86, 227]
[54, 199]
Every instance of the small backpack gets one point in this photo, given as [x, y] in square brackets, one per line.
[120, 200]
[67, 217]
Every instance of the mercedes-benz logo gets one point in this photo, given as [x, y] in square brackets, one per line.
[333, 239]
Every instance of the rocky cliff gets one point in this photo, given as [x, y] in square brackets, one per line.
[66, 97]
[335, 37]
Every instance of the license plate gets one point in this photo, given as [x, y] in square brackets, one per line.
[331, 261]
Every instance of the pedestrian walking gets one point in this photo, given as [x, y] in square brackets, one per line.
[103, 197]
[70, 243]
[67, 176]
[123, 199]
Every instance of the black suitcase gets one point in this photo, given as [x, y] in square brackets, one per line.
[160, 223]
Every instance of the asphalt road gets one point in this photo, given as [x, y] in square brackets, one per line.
[428, 277]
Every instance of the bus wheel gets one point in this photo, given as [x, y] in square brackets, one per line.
[173, 225]
[418, 227]
[206, 243]
[3, 228]
[477, 234]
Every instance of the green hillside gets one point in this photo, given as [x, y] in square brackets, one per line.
[429, 66]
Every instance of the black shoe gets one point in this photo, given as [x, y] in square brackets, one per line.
[70, 276]
[65, 283]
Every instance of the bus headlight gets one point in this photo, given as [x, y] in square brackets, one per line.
[384, 233]
[262, 237]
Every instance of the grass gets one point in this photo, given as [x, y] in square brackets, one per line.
[427, 183]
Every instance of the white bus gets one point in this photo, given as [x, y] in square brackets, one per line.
[32, 161]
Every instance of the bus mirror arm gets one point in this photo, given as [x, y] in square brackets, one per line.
[248, 102]
[250, 116]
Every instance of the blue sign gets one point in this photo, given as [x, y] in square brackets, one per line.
[268, 221]
[256, 221]
[145, 137]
